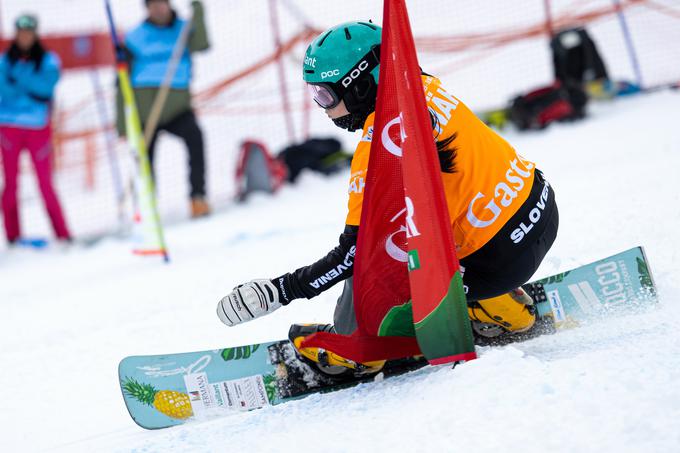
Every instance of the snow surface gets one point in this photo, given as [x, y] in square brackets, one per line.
[69, 316]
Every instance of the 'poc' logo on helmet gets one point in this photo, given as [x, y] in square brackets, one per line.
[331, 73]
[356, 72]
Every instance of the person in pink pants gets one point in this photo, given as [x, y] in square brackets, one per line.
[28, 75]
[39, 144]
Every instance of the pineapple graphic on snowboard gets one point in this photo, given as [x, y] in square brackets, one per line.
[169, 402]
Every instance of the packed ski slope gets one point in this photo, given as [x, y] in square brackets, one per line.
[69, 316]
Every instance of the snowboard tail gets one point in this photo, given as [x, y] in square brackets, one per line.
[167, 390]
[240, 378]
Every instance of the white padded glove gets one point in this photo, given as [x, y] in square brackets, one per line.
[248, 301]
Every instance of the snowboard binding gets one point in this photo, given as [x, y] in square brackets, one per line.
[510, 313]
[328, 362]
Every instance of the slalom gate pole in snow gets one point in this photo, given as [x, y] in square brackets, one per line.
[440, 314]
[629, 42]
[283, 87]
[162, 95]
[110, 148]
[147, 195]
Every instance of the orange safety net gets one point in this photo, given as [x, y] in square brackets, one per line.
[483, 45]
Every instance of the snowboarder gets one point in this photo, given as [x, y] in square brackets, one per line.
[503, 211]
[28, 76]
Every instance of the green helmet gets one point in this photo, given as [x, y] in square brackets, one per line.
[342, 64]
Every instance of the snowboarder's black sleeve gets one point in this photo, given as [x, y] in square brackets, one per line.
[312, 280]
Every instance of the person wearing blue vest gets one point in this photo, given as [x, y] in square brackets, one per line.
[149, 48]
[28, 76]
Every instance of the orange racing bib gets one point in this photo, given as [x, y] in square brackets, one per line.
[490, 181]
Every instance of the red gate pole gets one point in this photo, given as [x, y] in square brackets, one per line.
[549, 26]
[306, 109]
[282, 71]
[2, 29]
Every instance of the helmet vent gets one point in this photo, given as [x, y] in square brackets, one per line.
[309, 71]
[324, 38]
[371, 26]
[347, 35]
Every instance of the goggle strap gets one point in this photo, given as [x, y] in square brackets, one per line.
[372, 60]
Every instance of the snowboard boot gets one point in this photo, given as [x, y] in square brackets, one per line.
[512, 312]
[199, 207]
[325, 361]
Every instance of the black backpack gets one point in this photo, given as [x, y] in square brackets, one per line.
[575, 58]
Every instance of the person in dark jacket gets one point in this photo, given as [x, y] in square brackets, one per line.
[149, 48]
[28, 75]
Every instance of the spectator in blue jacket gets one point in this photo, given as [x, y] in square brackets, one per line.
[28, 75]
[149, 48]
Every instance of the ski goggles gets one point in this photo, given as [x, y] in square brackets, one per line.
[324, 95]
[26, 22]
[329, 94]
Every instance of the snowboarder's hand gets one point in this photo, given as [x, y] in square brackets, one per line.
[248, 301]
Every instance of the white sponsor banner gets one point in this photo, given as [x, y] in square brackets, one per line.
[200, 392]
[244, 394]
[239, 394]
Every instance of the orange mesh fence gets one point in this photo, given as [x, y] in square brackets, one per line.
[207, 98]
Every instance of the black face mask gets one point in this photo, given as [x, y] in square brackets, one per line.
[360, 102]
[350, 122]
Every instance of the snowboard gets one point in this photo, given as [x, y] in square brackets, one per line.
[43, 243]
[33, 242]
[167, 390]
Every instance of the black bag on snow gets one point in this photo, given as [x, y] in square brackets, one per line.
[540, 107]
[323, 155]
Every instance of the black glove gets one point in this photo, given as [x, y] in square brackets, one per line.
[123, 54]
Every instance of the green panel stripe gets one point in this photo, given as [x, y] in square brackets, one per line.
[446, 330]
